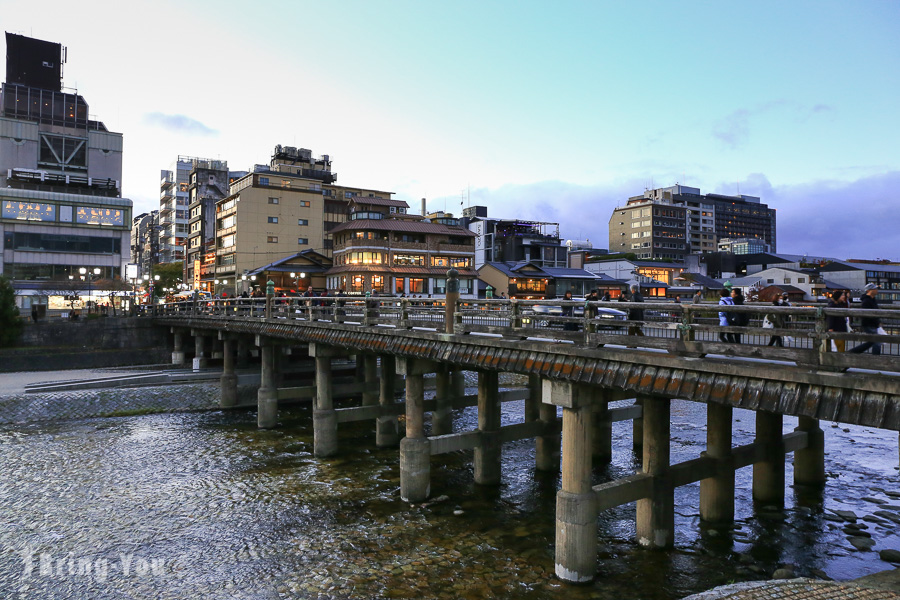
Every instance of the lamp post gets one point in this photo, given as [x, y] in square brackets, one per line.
[297, 279]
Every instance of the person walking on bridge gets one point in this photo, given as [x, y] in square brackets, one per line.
[869, 325]
[837, 324]
[635, 314]
[724, 317]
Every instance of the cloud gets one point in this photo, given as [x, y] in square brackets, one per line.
[839, 219]
[179, 124]
[734, 129]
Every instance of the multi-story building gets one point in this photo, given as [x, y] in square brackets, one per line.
[514, 240]
[649, 228]
[63, 218]
[280, 209]
[208, 183]
[384, 250]
[712, 217]
[743, 246]
[145, 241]
[173, 209]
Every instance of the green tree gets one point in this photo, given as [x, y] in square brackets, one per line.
[10, 323]
[169, 277]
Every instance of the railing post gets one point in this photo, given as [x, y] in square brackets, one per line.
[404, 313]
[270, 293]
[452, 297]
[310, 312]
[515, 314]
[822, 343]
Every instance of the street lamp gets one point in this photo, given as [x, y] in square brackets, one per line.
[297, 280]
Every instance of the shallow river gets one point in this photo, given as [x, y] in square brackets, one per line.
[203, 505]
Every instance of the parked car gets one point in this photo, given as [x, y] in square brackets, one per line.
[608, 316]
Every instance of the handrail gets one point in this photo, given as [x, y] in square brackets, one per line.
[682, 329]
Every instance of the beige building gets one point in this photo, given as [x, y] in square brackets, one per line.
[384, 250]
[278, 211]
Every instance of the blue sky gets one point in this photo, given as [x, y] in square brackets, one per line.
[549, 111]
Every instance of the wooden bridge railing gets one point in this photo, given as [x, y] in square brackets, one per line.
[685, 329]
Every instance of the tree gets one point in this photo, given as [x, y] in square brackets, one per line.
[169, 276]
[10, 322]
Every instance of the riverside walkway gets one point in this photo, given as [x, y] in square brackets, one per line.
[578, 364]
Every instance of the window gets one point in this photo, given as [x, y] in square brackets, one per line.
[302, 221]
[378, 283]
[801, 280]
[356, 283]
[416, 285]
[227, 241]
[273, 200]
[304, 204]
[787, 279]
[398, 286]
[409, 259]
[285, 183]
[273, 219]
[272, 239]
[364, 258]
[264, 181]
[303, 241]
[440, 285]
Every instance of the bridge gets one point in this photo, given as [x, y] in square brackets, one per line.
[579, 357]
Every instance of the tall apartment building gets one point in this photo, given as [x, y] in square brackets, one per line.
[208, 182]
[651, 229]
[60, 179]
[707, 219]
[279, 209]
[145, 241]
[173, 209]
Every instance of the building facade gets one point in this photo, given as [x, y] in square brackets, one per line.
[281, 209]
[208, 182]
[650, 229]
[145, 242]
[392, 253]
[63, 219]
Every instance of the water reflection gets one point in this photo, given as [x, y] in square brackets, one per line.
[226, 510]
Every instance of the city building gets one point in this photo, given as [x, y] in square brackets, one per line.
[514, 240]
[855, 275]
[145, 242]
[743, 246]
[290, 205]
[707, 219]
[64, 226]
[650, 229]
[526, 280]
[653, 277]
[384, 250]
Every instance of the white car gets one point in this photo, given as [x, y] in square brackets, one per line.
[608, 316]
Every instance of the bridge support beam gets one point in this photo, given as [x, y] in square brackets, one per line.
[267, 395]
[370, 377]
[325, 440]
[768, 471]
[656, 514]
[415, 448]
[809, 462]
[387, 426]
[717, 493]
[602, 427]
[442, 415]
[178, 347]
[546, 447]
[228, 380]
[201, 351]
[487, 453]
[576, 507]
[243, 352]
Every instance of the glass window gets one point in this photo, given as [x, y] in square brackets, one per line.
[302, 221]
[440, 285]
[378, 283]
[356, 283]
[398, 285]
[416, 285]
[273, 200]
[303, 241]
[304, 204]
[409, 259]
[272, 239]
[273, 219]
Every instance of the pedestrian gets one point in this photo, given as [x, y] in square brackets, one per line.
[869, 325]
[837, 324]
[725, 317]
[740, 319]
[698, 297]
[34, 313]
[635, 314]
[775, 320]
[605, 297]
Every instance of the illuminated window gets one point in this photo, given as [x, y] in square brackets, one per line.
[416, 285]
[304, 204]
[272, 239]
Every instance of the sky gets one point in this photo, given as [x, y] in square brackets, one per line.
[549, 111]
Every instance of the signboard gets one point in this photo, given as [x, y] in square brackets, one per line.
[99, 216]
[28, 211]
[197, 274]
[131, 271]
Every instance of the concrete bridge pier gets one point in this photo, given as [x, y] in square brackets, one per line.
[488, 450]
[228, 381]
[809, 462]
[717, 493]
[415, 448]
[576, 505]
[656, 513]
[216, 349]
[637, 429]
[547, 446]
[201, 350]
[768, 471]
[387, 427]
[243, 352]
[442, 415]
[178, 347]
[325, 440]
[267, 395]
[602, 427]
[370, 378]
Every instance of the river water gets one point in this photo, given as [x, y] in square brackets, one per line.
[204, 505]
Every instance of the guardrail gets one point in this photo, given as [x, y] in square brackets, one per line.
[692, 330]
